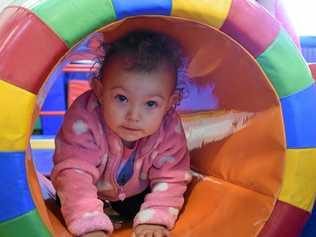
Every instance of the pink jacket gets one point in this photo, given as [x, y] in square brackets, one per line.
[86, 160]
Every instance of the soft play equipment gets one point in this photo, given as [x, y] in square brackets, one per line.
[258, 179]
[76, 88]
[78, 82]
[277, 9]
[312, 66]
[310, 227]
[53, 109]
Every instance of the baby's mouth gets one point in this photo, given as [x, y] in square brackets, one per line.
[131, 129]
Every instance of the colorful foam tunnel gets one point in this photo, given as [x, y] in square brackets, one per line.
[247, 116]
[278, 10]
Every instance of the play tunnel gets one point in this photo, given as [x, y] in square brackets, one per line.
[248, 114]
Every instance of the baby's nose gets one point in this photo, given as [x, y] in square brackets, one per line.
[133, 114]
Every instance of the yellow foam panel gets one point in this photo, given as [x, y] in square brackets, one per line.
[17, 107]
[211, 12]
[43, 144]
[299, 184]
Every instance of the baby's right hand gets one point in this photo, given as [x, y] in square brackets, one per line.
[95, 234]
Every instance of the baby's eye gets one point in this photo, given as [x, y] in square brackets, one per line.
[121, 98]
[151, 104]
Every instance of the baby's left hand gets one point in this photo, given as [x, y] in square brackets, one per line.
[147, 230]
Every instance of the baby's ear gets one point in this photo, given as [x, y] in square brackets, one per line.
[97, 87]
[174, 99]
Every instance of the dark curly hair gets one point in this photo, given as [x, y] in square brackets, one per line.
[145, 50]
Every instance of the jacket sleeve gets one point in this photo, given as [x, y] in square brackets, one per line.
[76, 161]
[169, 176]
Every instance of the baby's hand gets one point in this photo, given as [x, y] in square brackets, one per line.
[95, 234]
[147, 230]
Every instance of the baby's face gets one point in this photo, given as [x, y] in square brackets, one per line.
[134, 103]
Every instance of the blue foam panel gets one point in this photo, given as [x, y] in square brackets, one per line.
[310, 227]
[125, 8]
[299, 114]
[15, 198]
[43, 160]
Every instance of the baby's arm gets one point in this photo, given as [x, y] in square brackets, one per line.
[169, 176]
[75, 173]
